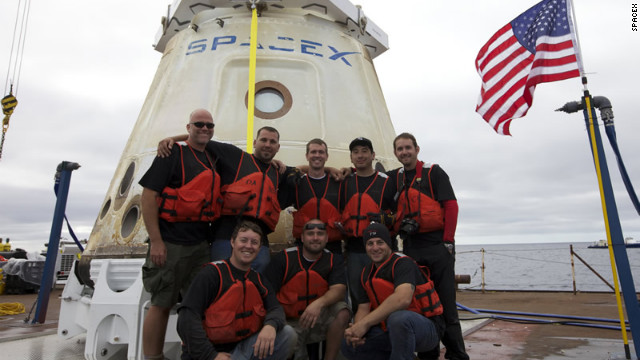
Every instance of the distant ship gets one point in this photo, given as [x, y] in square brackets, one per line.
[628, 242]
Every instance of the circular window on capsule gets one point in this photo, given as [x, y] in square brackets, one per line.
[273, 100]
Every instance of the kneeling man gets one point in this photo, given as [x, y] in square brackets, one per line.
[230, 311]
[310, 283]
[399, 312]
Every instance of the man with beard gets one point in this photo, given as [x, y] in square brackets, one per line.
[426, 219]
[249, 189]
[311, 286]
[365, 197]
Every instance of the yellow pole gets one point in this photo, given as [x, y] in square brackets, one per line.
[623, 326]
[253, 46]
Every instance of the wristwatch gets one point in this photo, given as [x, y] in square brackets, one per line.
[449, 247]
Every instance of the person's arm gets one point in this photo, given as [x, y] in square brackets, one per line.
[349, 333]
[201, 294]
[273, 322]
[165, 145]
[275, 271]
[311, 314]
[157, 251]
[450, 219]
[400, 299]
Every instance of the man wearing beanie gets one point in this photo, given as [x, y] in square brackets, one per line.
[426, 219]
[399, 311]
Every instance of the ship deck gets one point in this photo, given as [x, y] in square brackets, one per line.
[485, 338]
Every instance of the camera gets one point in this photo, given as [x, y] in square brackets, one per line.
[408, 226]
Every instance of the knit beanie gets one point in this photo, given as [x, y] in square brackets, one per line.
[377, 230]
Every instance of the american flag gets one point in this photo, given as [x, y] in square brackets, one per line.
[535, 47]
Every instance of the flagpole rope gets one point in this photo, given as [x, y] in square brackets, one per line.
[576, 41]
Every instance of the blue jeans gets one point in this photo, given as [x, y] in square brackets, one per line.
[221, 249]
[407, 332]
[282, 348]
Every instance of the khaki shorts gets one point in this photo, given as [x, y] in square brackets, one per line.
[183, 263]
[318, 332]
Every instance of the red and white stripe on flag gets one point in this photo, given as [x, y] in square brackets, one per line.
[535, 47]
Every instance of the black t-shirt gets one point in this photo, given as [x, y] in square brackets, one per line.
[442, 191]
[276, 269]
[167, 172]
[406, 272]
[201, 294]
[354, 244]
[229, 157]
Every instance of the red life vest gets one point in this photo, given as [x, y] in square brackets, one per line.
[301, 287]
[379, 286]
[317, 206]
[354, 214]
[238, 310]
[253, 192]
[416, 201]
[197, 200]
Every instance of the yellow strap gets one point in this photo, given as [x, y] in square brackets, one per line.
[623, 326]
[11, 308]
[253, 46]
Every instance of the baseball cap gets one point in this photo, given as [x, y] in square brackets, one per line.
[360, 141]
[377, 230]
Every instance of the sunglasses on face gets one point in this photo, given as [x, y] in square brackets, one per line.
[201, 124]
[315, 226]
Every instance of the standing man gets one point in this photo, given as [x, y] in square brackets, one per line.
[311, 286]
[249, 189]
[426, 220]
[398, 311]
[365, 197]
[179, 231]
[317, 196]
[230, 312]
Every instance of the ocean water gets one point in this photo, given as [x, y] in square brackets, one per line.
[539, 267]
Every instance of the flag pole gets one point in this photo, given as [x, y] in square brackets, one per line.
[617, 249]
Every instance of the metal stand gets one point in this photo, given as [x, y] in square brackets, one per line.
[63, 178]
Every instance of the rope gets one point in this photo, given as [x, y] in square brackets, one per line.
[11, 308]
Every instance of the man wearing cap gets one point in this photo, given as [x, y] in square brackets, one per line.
[365, 197]
[399, 311]
[426, 219]
[311, 286]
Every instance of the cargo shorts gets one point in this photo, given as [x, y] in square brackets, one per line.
[166, 282]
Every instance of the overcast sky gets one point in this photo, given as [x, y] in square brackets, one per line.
[88, 66]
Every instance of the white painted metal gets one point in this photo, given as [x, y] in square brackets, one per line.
[112, 314]
[356, 24]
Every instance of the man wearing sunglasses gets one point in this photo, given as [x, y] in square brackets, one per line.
[249, 189]
[178, 230]
[310, 284]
